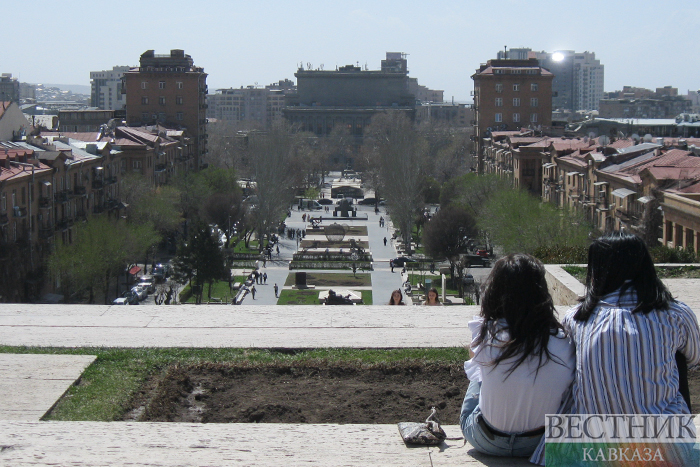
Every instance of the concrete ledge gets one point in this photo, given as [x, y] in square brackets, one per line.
[31, 384]
[185, 444]
[563, 287]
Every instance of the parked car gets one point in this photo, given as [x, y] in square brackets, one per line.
[140, 292]
[131, 297]
[325, 201]
[477, 260]
[370, 201]
[146, 281]
[120, 301]
[402, 260]
[161, 272]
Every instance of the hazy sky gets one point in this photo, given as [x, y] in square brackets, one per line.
[644, 43]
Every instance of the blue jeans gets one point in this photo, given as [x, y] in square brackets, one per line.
[472, 423]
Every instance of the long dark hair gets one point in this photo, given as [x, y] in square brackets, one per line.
[391, 300]
[516, 291]
[620, 260]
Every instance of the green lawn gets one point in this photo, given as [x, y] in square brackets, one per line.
[671, 272]
[106, 388]
[339, 279]
[219, 289]
[310, 297]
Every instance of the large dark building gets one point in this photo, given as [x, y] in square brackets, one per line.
[349, 96]
[169, 90]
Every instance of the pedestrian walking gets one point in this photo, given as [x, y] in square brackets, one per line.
[265, 277]
[384, 241]
[257, 264]
[276, 291]
[264, 262]
[252, 292]
[391, 265]
[278, 250]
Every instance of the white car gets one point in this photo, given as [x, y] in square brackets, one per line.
[120, 301]
[140, 292]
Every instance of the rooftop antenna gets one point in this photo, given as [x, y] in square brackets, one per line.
[505, 51]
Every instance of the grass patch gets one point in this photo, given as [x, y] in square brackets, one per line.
[367, 297]
[219, 289]
[340, 279]
[298, 297]
[240, 247]
[450, 289]
[107, 387]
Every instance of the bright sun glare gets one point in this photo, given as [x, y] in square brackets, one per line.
[557, 56]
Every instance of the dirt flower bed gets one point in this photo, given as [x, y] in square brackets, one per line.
[302, 393]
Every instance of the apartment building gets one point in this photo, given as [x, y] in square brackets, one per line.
[169, 90]
[509, 95]
[9, 88]
[106, 88]
[254, 106]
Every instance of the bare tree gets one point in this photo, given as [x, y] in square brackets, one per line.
[273, 161]
[398, 152]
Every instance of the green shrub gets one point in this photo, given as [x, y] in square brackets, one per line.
[664, 254]
[557, 254]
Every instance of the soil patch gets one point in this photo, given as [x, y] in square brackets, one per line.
[305, 393]
[310, 393]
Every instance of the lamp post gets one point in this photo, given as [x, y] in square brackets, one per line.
[30, 185]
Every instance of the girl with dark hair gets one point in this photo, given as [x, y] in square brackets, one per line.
[522, 361]
[396, 298]
[629, 332]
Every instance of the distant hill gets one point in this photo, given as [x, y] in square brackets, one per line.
[74, 88]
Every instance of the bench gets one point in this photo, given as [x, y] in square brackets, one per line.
[236, 286]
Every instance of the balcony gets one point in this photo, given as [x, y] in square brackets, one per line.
[46, 231]
[97, 184]
[79, 190]
[110, 180]
[159, 168]
[19, 212]
[4, 219]
[44, 202]
[112, 204]
[61, 197]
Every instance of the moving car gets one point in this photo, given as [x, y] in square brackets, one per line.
[325, 201]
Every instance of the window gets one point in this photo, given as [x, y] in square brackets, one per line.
[516, 117]
[179, 84]
[499, 117]
[161, 84]
[534, 86]
[179, 115]
[144, 116]
[136, 165]
[144, 84]
[516, 87]
[516, 102]
[161, 100]
[499, 102]
[3, 202]
[533, 118]
[534, 102]
[178, 100]
[144, 100]
[499, 87]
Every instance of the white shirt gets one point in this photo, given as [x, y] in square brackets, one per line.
[518, 402]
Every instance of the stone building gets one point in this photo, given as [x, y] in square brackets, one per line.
[169, 90]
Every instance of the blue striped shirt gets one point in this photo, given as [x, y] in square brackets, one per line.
[625, 362]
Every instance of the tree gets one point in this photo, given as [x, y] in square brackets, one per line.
[447, 235]
[521, 223]
[398, 152]
[272, 161]
[200, 259]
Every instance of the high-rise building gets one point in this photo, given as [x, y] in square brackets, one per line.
[578, 76]
[170, 90]
[106, 88]
[510, 95]
[9, 88]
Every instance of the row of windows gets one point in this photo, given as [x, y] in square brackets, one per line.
[161, 84]
[146, 116]
[534, 102]
[516, 87]
[516, 118]
[161, 100]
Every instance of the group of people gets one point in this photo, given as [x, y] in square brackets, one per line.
[624, 349]
[432, 298]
